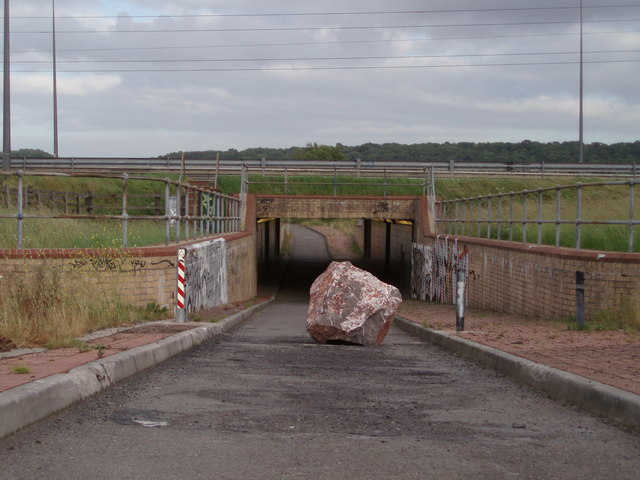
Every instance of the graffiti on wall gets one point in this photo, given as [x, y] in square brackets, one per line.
[108, 264]
[206, 275]
[434, 268]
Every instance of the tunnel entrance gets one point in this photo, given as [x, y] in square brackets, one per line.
[303, 249]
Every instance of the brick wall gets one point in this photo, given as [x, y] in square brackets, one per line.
[541, 281]
[138, 275]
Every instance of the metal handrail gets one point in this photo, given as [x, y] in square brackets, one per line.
[206, 212]
[425, 177]
[460, 216]
[224, 166]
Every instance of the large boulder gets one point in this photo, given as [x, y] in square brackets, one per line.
[349, 304]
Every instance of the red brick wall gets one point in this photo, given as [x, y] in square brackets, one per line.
[541, 281]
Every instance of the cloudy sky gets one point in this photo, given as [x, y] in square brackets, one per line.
[148, 77]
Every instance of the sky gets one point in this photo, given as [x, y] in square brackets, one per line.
[142, 78]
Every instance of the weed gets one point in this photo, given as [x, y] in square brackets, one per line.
[623, 316]
[44, 307]
[21, 369]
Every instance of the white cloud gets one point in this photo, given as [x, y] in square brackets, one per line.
[67, 85]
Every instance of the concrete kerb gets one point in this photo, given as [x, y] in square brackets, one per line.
[29, 403]
[613, 403]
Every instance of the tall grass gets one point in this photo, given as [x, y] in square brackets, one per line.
[46, 305]
[78, 233]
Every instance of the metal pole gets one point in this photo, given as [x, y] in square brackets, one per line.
[6, 113]
[125, 215]
[524, 218]
[581, 123]
[167, 212]
[499, 234]
[20, 214]
[55, 83]
[579, 217]
[632, 195]
[488, 217]
[539, 217]
[557, 216]
[459, 299]
[511, 216]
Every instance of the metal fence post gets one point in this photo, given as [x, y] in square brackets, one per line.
[178, 211]
[186, 213]
[489, 217]
[539, 217]
[511, 216]
[499, 234]
[125, 216]
[524, 217]
[20, 213]
[167, 219]
[579, 217]
[557, 216]
[632, 195]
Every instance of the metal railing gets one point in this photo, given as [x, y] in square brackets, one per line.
[385, 180]
[508, 216]
[190, 211]
[220, 166]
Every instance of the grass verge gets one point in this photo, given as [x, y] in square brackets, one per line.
[43, 308]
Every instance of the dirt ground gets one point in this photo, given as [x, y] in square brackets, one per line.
[610, 357]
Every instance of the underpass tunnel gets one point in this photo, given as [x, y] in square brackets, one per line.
[291, 254]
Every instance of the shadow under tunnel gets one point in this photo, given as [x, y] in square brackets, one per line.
[308, 255]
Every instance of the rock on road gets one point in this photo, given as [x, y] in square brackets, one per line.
[266, 402]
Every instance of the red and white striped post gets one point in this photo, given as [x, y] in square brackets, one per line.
[181, 311]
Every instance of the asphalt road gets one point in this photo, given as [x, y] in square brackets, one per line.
[266, 402]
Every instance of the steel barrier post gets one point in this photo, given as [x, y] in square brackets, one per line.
[181, 311]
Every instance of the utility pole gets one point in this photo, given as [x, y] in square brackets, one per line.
[581, 121]
[55, 83]
[6, 112]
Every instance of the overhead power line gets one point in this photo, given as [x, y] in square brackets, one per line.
[351, 67]
[330, 27]
[354, 13]
[315, 59]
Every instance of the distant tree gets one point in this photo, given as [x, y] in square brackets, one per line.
[30, 153]
[322, 152]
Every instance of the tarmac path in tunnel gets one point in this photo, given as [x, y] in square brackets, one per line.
[266, 402]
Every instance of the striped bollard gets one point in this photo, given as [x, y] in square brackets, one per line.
[181, 312]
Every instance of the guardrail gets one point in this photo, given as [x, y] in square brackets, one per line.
[191, 211]
[388, 180]
[507, 216]
[213, 167]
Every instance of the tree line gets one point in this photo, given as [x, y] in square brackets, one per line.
[523, 152]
